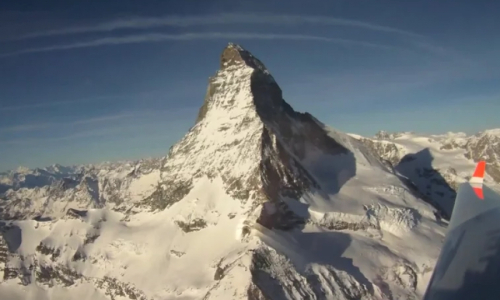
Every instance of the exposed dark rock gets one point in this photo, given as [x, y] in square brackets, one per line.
[194, 225]
[90, 238]
[47, 250]
[254, 293]
[10, 273]
[219, 273]
[386, 151]
[177, 253]
[114, 287]
[79, 255]
[56, 275]
[343, 225]
[75, 213]
[283, 218]
[162, 197]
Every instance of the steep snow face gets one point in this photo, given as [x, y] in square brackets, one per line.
[257, 201]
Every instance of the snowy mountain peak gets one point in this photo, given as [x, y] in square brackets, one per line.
[385, 135]
[491, 132]
[22, 170]
[235, 56]
[247, 135]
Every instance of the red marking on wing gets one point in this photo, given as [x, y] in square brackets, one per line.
[479, 172]
[479, 192]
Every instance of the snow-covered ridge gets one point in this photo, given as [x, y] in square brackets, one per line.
[51, 191]
[492, 132]
[437, 164]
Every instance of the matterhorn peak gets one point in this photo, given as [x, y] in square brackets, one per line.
[249, 137]
[240, 70]
[234, 55]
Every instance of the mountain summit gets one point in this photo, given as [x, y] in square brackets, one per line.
[247, 135]
[256, 201]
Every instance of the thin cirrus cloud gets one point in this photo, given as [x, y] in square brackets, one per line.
[81, 134]
[72, 102]
[128, 130]
[39, 105]
[26, 127]
[221, 19]
[42, 126]
[52, 103]
[159, 37]
[105, 118]
[139, 115]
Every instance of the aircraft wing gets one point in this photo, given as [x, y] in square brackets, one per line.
[469, 264]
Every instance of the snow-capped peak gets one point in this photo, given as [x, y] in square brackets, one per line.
[22, 170]
[234, 54]
[491, 132]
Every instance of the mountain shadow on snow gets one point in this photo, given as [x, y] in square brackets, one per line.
[325, 249]
[417, 167]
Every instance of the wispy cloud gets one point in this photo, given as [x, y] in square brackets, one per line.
[359, 89]
[105, 118]
[39, 105]
[72, 102]
[42, 126]
[147, 128]
[159, 37]
[77, 135]
[53, 103]
[26, 127]
[94, 120]
[220, 19]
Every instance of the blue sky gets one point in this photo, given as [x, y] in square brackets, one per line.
[125, 79]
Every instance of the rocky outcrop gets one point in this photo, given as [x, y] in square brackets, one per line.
[386, 150]
[194, 225]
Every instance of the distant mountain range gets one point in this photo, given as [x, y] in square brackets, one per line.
[256, 201]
